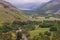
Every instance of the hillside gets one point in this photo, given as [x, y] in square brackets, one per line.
[8, 6]
[52, 8]
[9, 13]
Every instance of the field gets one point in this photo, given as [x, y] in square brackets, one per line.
[40, 30]
[37, 31]
[43, 18]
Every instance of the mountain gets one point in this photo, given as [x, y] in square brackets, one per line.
[9, 13]
[28, 4]
[52, 8]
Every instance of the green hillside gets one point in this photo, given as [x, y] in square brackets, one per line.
[9, 13]
[6, 15]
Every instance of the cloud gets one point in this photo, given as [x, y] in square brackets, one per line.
[27, 4]
[27, 1]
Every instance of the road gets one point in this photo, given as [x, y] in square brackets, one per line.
[24, 37]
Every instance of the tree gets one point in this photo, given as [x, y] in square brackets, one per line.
[45, 25]
[53, 29]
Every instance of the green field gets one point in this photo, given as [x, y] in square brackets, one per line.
[37, 31]
[43, 18]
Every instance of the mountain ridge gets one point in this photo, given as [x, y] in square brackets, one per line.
[9, 13]
[28, 5]
[50, 9]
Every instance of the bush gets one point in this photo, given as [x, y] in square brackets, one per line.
[6, 28]
[48, 33]
[45, 25]
[53, 29]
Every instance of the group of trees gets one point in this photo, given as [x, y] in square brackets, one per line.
[52, 34]
[30, 25]
[6, 27]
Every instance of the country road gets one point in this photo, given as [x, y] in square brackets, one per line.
[24, 37]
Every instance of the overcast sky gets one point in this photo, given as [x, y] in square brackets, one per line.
[27, 1]
[18, 3]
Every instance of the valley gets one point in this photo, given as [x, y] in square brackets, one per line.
[43, 24]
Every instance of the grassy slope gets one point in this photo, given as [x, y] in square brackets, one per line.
[9, 16]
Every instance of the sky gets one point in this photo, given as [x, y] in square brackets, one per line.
[25, 2]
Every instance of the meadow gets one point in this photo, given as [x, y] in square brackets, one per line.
[43, 18]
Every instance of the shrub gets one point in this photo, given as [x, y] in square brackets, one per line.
[48, 33]
[53, 29]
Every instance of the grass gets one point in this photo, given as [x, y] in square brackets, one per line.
[43, 18]
[37, 31]
[9, 16]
